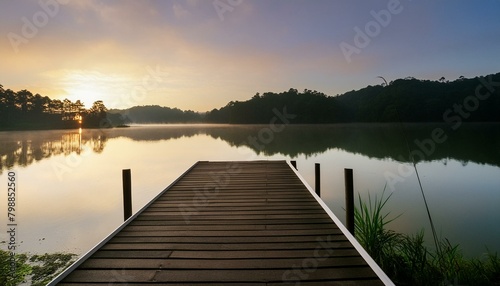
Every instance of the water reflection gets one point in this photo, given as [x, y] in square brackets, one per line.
[27, 147]
[71, 191]
[472, 143]
[476, 143]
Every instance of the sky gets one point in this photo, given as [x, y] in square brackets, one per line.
[201, 54]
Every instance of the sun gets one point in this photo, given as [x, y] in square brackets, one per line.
[91, 86]
[86, 94]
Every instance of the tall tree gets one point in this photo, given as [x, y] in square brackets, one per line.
[24, 100]
[79, 107]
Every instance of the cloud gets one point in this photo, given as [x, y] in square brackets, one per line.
[180, 12]
[193, 3]
[260, 45]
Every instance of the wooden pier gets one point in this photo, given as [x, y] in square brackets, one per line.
[230, 223]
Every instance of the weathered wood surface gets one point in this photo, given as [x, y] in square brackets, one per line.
[229, 223]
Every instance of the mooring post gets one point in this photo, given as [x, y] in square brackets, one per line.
[294, 164]
[349, 200]
[317, 180]
[127, 194]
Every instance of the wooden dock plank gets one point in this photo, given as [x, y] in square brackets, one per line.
[100, 263]
[227, 276]
[228, 223]
[222, 247]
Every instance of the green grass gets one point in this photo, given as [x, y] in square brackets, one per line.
[370, 229]
[407, 260]
[7, 277]
[37, 270]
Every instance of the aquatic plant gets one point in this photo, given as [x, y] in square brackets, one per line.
[408, 261]
[370, 229]
[10, 275]
[35, 269]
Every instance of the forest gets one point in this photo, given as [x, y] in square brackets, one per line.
[405, 100]
[153, 114]
[402, 100]
[24, 110]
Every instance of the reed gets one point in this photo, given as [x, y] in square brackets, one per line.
[370, 229]
[408, 261]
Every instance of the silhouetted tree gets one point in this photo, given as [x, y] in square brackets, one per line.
[23, 110]
[414, 100]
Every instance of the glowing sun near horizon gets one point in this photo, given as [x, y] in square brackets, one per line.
[91, 86]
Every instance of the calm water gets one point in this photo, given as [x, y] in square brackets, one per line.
[69, 193]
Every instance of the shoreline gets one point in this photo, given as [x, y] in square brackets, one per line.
[46, 128]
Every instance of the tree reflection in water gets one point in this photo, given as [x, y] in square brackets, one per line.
[26, 147]
[476, 143]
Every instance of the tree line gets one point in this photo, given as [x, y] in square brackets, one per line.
[153, 114]
[407, 100]
[25, 110]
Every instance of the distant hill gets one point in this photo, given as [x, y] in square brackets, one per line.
[407, 100]
[414, 100]
[154, 114]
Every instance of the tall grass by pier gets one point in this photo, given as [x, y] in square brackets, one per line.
[406, 259]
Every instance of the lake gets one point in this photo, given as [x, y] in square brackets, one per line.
[69, 194]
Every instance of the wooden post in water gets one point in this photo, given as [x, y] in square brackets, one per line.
[349, 200]
[317, 180]
[294, 164]
[127, 194]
